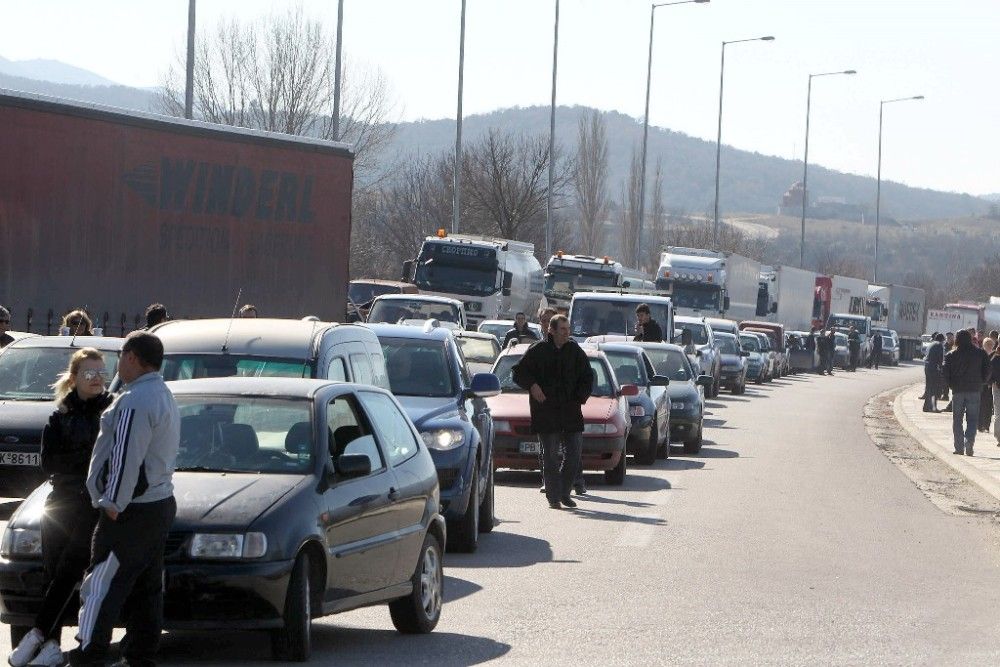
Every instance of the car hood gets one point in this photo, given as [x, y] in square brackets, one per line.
[422, 409]
[598, 408]
[24, 420]
[682, 392]
[509, 405]
[231, 499]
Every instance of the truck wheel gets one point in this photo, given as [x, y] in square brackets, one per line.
[292, 642]
[486, 509]
[463, 535]
[616, 476]
[647, 456]
[420, 611]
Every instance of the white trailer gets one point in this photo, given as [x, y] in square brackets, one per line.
[494, 278]
[790, 296]
[900, 309]
[706, 283]
[848, 295]
[943, 321]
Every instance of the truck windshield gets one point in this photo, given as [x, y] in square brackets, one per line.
[696, 296]
[593, 317]
[842, 322]
[27, 374]
[564, 281]
[456, 268]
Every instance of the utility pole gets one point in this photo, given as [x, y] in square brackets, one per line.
[189, 81]
[456, 198]
[337, 67]
[552, 137]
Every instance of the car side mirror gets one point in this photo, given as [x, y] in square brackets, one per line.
[705, 380]
[774, 307]
[350, 466]
[659, 381]
[628, 390]
[483, 385]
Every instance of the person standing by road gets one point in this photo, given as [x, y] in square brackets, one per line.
[544, 316]
[811, 349]
[521, 332]
[932, 373]
[248, 310]
[5, 338]
[854, 347]
[646, 328]
[986, 406]
[69, 518]
[876, 355]
[966, 368]
[557, 375]
[824, 346]
[131, 482]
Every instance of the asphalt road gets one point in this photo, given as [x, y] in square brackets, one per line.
[790, 539]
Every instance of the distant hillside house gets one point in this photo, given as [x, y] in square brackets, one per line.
[824, 208]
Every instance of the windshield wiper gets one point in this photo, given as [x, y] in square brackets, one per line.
[208, 469]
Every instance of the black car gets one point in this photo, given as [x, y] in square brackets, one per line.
[295, 499]
[687, 403]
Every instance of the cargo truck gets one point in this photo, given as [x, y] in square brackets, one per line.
[944, 321]
[972, 314]
[790, 293]
[117, 209]
[706, 283]
[900, 309]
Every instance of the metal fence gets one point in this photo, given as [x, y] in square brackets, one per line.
[48, 324]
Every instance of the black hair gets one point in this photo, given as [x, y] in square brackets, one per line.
[939, 337]
[642, 308]
[147, 347]
[156, 313]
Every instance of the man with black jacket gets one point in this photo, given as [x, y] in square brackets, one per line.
[557, 375]
[932, 373]
[646, 328]
[876, 355]
[966, 370]
[520, 332]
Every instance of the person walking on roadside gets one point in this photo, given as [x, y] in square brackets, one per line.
[130, 481]
[5, 338]
[854, 346]
[69, 518]
[557, 375]
[966, 369]
[876, 355]
[646, 328]
[932, 373]
[521, 332]
[986, 406]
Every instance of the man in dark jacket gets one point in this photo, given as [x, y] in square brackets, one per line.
[854, 347]
[811, 348]
[932, 373]
[966, 370]
[646, 328]
[557, 375]
[521, 332]
[876, 356]
[5, 338]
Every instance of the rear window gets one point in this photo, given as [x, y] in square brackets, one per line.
[504, 370]
[396, 311]
[591, 317]
[418, 367]
[191, 367]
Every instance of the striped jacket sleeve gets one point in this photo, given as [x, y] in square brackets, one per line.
[130, 438]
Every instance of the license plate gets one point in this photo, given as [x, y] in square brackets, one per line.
[530, 448]
[19, 459]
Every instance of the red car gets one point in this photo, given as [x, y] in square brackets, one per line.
[605, 415]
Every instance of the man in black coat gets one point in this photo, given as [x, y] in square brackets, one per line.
[966, 370]
[646, 328]
[521, 332]
[876, 350]
[854, 347]
[932, 373]
[557, 375]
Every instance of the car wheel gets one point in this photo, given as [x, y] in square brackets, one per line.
[693, 445]
[420, 611]
[292, 642]
[17, 633]
[486, 513]
[616, 476]
[647, 455]
[463, 535]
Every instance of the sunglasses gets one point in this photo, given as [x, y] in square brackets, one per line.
[90, 374]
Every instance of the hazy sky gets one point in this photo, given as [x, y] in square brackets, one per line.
[948, 50]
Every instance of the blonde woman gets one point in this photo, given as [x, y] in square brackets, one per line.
[69, 519]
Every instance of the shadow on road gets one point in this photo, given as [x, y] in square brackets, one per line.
[334, 643]
[682, 464]
[502, 549]
[715, 452]
[717, 423]
[456, 589]
[585, 512]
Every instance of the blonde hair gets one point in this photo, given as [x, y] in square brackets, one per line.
[66, 382]
[87, 325]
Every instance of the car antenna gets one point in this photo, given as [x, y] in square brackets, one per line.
[305, 362]
[79, 324]
[225, 343]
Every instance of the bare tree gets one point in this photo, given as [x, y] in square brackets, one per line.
[657, 238]
[276, 74]
[629, 217]
[698, 233]
[590, 180]
[832, 261]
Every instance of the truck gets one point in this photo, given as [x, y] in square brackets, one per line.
[790, 293]
[567, 274]
[941, 320]
[838, 294]
[114, 209]
[494, 278]
[973, 314]
[706, 283]
[901, 309]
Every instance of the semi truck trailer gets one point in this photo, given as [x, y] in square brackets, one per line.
[901, 309]
[790, 294]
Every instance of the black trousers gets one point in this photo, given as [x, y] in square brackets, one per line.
[126, 571]
[67, 528]
[562, 453]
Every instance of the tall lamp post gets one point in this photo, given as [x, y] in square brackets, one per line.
[645, 118]
[456, 198]
[878, 186]
[552, 137]
[718, 141]
[189, 78]
[337, 71]
[805, 163]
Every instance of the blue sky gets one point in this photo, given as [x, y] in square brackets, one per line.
[947, 50]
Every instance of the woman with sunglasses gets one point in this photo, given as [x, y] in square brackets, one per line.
[69, 519]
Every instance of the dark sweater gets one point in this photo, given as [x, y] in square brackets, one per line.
[68, 441]
[966, 369]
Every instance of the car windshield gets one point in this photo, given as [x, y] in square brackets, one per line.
[28, 373]
[728, 345]
[478, 350]
[245, 434]
[193, 366]
[750, 343]
[840, 339]
[593, 317]
[670, 363]
[360, 293]
[504, 370]
[498, 329]
[395, 311]
[699, 332]
[418, 367]
[564, 281]
[627, 367]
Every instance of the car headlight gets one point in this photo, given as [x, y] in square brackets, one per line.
[442, 439]
[228, 545]
[677, 407]
[501, 427]
[600, 429]
[637, 411]
[21, 542]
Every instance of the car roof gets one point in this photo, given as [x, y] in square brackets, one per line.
[103, 343]
[379, 281]
[263, 337]
[465, 333]
[419, 297]
[617, 347]
[688, 319]
[660, 346]
[724, 334]
[721, 321]
[268, 386]
[615, 296]
[408, 331]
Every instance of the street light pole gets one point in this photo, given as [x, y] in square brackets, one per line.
[336, 74]
[878, 185]
[805, 164]
[189, 82]
[645, 118]
[718, 140]
[552, 137]
[456, 197]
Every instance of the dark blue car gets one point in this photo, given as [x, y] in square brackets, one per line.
[429, 377]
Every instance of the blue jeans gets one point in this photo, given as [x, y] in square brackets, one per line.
[562, 462]
[966, 402]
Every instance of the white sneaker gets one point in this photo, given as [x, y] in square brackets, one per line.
[26, 649]
[50, 655]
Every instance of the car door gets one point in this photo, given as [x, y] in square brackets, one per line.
[479, 412]
[359, 525]
[659, 396]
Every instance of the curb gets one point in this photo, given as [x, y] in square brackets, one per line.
[959, 464]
